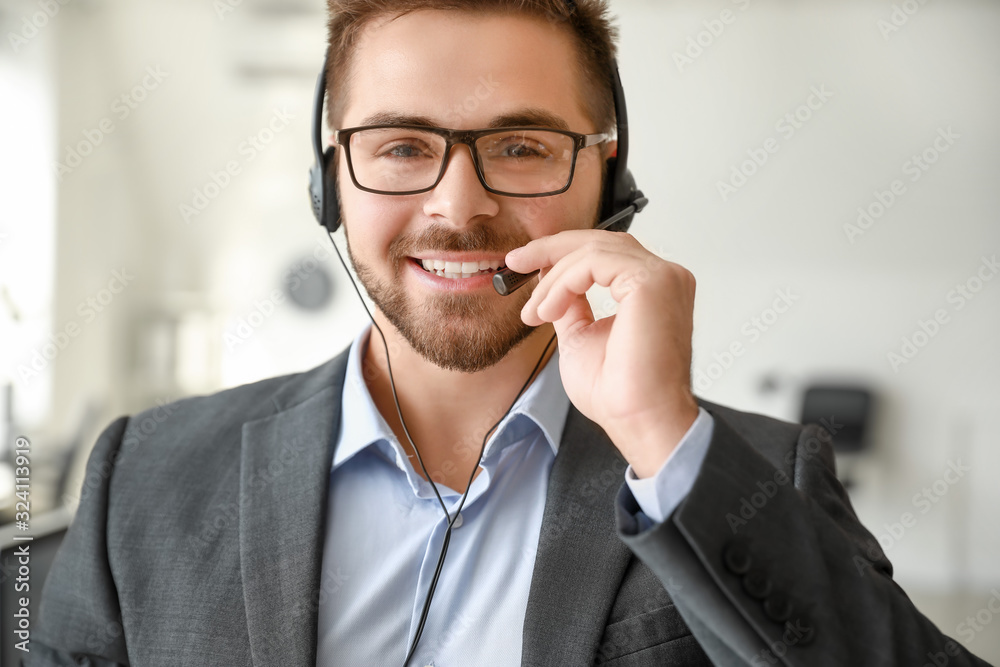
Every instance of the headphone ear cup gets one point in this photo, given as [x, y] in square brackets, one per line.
[331, 203]
[608, 196]
[316, 191]
[619, 193]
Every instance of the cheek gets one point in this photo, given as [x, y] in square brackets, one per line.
[574, 209]
[372, 221]
[546, 215]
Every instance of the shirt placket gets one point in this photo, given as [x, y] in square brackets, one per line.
[435, 540]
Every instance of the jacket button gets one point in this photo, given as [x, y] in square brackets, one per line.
[799, 632]
[757, 584]
[737, 557]
[778, 607]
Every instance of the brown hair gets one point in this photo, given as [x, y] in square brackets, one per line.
[587, 21]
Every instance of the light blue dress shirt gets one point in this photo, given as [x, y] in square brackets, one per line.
[385, 528]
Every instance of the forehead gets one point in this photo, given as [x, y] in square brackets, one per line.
[464, 69]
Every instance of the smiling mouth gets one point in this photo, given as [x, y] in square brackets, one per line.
[455, 270]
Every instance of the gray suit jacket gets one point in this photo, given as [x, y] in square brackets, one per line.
[199, 534]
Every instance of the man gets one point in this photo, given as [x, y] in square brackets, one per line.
[292, 522]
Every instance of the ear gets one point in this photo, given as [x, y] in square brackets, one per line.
[611, 149]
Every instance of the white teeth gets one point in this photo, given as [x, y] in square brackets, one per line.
[459, 269]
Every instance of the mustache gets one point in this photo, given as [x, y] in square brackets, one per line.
[491, 239]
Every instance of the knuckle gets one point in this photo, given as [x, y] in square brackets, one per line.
[688, 278]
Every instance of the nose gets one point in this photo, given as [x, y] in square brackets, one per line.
[459, 198]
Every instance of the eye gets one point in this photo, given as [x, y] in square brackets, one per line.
[402, 150]
[519, 150]
[520, 146]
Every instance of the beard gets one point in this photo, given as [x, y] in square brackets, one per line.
[461, 332]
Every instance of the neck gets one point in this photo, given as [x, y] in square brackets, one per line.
[448, 413]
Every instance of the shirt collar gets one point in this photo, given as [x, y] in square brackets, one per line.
[544, 402]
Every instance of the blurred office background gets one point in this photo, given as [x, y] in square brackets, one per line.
[829, 172]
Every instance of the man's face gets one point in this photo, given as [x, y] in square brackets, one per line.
[462, 71]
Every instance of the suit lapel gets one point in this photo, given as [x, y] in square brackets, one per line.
[580, 561]
[284, 484]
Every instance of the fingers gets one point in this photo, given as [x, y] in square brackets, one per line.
[621, 269]
[573, 261]
[548, 250]
[577, 315]
[571, 277]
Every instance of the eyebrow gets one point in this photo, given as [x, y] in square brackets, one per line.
[521, 117]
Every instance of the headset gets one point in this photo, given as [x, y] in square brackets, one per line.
[621, 200]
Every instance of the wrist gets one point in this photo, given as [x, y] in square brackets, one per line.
[647, 440]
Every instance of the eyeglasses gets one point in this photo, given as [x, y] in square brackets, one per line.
[510, 161]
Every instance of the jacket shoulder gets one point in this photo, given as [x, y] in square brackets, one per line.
[207, 430]
[228, 408]
[773, 438]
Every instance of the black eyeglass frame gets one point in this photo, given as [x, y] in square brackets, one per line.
[468, 137]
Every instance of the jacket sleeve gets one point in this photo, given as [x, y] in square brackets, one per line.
[79, 616]
[768, 563]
